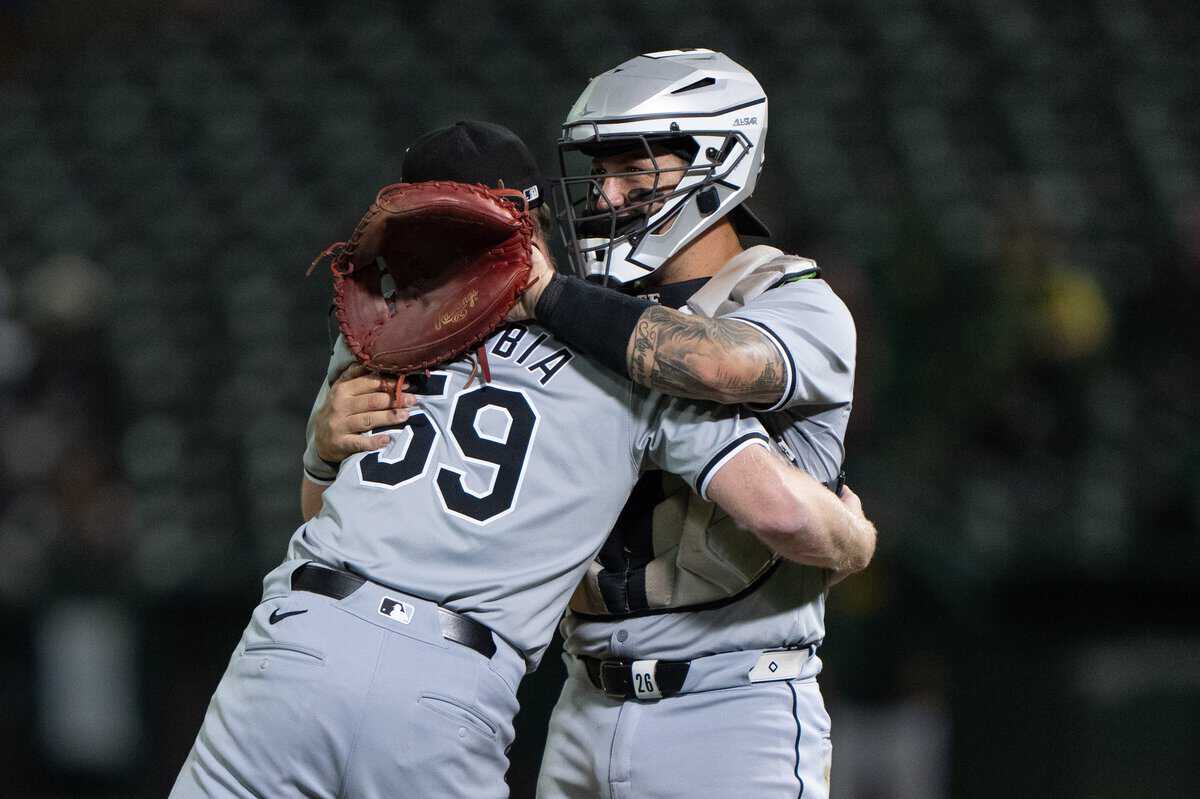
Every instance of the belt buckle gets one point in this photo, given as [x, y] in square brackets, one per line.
[619, 667]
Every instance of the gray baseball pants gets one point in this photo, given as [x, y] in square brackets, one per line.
[337, 700]
[724, 738]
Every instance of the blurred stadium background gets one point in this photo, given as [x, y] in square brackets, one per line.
[1006, 193]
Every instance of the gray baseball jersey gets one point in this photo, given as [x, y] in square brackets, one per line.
[747, 599]
[493, 497]
[489, 501]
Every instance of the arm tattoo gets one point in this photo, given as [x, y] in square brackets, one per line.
[714, 359]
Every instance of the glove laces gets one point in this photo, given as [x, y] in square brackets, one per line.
[479, 363]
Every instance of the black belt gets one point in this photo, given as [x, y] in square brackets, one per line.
[338, 584]
[616, 678]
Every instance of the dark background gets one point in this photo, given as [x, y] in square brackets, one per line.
[1006, 193]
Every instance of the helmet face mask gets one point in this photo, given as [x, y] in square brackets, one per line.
[652, 179]
[681, 171]
[654, 186]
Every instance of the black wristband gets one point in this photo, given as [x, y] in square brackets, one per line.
[594, 320]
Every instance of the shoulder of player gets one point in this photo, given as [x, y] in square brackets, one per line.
[798, 307]
[795, 273]
[807, 290]
[771, 271]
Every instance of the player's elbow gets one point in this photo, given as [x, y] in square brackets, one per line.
[796, 530]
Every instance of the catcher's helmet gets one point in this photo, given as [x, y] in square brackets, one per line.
[697, 104]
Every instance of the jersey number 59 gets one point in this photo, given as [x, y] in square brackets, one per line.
[505, 453]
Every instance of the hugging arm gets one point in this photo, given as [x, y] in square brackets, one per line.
[683, 355]
[793, 514]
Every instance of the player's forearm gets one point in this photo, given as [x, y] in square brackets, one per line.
[310, 498]
[723, 360]
[792, 513]
[818, 529]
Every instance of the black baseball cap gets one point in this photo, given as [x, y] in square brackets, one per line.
[476, 152]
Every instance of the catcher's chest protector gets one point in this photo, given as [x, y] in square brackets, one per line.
[670, 549]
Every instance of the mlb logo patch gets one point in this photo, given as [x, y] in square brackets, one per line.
[531, 193]
[396, 610]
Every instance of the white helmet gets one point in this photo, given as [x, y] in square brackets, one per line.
[698, 104]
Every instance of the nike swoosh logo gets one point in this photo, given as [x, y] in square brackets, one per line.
[277, 617]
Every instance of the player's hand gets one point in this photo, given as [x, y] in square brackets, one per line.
[851, 501]
[853, 504]
[358, 401]
[539, 276]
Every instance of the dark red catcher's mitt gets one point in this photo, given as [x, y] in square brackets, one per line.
[431, 270]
